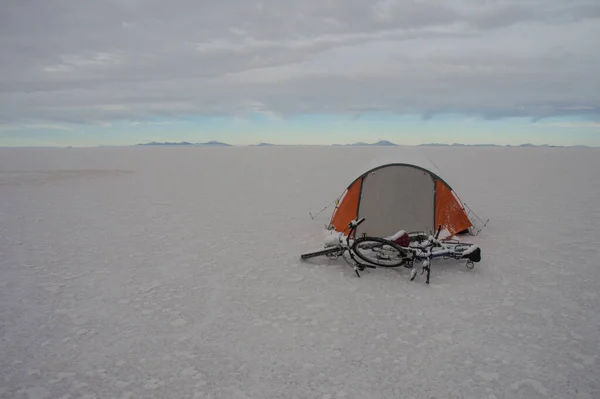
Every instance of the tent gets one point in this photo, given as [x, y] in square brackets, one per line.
[394, 196]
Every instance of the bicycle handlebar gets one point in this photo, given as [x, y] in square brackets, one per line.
[356, 223]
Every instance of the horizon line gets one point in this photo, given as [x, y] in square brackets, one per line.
[266, 144]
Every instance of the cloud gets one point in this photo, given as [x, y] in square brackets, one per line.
[50, 127]
[8, 126]
[98, 62]
[136, 123]
[576, 125]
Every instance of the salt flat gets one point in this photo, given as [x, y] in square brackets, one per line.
[175, 273]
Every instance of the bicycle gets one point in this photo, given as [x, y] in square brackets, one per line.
[387, 252]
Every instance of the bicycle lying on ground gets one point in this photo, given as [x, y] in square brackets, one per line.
[401, 249]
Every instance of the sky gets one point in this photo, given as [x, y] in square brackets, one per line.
[120, 72]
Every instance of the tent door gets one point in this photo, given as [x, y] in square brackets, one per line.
[396, 198]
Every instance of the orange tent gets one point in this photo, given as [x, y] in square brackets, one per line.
[400, 196]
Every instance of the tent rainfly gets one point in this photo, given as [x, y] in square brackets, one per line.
[400, 196]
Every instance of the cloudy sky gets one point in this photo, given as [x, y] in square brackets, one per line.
[90, 72]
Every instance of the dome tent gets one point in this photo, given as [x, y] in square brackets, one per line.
[400, 191]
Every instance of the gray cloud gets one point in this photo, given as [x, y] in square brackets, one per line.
[92, 62]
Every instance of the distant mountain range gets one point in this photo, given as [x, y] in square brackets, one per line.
[215, 144]
[262, 145]
[491, 145]
[380, 143]
[184, 143]
[220, 144]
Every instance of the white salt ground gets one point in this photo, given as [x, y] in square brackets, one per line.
[175, 273]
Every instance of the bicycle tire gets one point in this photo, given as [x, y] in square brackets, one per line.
[394, 261]
[326, 251]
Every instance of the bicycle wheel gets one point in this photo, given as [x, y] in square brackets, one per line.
[379, 251]
[326, 251]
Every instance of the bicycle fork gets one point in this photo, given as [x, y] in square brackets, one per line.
[426, 267]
